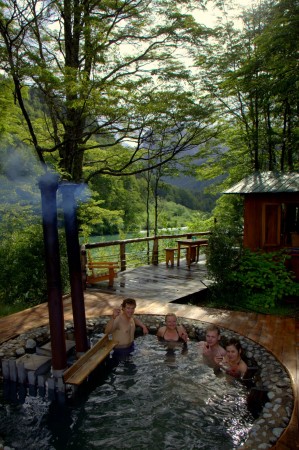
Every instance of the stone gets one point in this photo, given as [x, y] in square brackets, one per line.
[35, 363]
[20, 351]
[30, 345]
[277, 432]
[46, 349]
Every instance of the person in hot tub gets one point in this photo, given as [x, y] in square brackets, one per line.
[232, 363]
[211, 347]
[122, 327]
[171, 331]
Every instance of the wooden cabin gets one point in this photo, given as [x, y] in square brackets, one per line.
[271, 212]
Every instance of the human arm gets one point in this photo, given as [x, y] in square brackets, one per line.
[183, 333]
[112, 324]
[220, 355]
[140, 324]
[205, 348]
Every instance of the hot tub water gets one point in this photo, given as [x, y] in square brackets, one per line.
[159, 398]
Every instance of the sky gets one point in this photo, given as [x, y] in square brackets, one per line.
[210, 17]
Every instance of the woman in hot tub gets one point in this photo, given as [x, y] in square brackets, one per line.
[171, 331]
[232, 363]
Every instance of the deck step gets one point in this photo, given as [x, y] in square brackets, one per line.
[83, 367]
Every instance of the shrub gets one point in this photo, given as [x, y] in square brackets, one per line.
[23, 275]
[255, 279]
[265, 276]
[223, 254]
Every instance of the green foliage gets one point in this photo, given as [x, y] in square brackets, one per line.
[96, 94]
[173, 215]
[23, 276]
[265, 276]
[223, 253]
[94, 219]
[250, 279]
[201, 222]
[228, 213]
[187, 197]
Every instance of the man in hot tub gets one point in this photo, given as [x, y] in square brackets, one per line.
[122, 327]
[211, 347]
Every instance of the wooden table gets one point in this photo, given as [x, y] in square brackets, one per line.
[193, 246]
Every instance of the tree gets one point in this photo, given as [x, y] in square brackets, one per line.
[278, 49]
[252, 75]
[106, 73]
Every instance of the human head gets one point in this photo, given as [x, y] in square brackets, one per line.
[233, 348]
[128, 301]
[212, 335]
[213, 328]
[170, 319]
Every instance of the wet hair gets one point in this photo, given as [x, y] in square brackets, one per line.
[213, 328]
[236, 343]
[128, 301]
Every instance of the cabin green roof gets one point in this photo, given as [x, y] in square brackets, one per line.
[267, 182]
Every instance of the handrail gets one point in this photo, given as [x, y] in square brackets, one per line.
[153, 258]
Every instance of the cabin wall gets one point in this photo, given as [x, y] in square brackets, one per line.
[263, 221]
[252, 222]
[267, 224]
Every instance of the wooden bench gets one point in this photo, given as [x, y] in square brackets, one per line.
[88, 362]
[100, 271]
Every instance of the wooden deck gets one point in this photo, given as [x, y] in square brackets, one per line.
[154, 288]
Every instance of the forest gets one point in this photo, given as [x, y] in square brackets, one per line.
[129, 98]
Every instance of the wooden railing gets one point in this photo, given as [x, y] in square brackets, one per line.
[150, 250]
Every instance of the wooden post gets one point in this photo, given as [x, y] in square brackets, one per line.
[83, 265]
[122, 251]
[48, 185]
[74, 262]
[155, 256]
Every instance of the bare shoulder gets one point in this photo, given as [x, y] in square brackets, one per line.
[243, 367]
[161, 331]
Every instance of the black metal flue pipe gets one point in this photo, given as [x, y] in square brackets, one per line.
[68, 191]
[48, 184]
